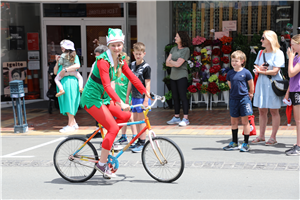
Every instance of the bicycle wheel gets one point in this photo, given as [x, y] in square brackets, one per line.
[172, 165]
[71, 168]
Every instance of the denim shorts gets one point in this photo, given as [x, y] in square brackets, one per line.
[136, 101]
[240, 107]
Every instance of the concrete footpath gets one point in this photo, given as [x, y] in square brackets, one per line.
[202, 122]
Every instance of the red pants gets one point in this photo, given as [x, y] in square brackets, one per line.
[105, 116]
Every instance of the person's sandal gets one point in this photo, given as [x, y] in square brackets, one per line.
[61, 92]
[271, 141]
[257, 140]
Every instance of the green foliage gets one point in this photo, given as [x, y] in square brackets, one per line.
[168, 95]
[240, 42]
[165, 67]
[169, 47]
[166, 80]
[190, 78]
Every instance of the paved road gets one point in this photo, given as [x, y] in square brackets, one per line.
[210, 173]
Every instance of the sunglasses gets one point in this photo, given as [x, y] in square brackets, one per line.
[262, 38]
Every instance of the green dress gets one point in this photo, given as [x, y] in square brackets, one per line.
[121, 85]
[69, 102]
[93, 91]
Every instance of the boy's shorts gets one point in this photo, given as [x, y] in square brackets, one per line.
[136, 101]
[241, 107]
[295, 97]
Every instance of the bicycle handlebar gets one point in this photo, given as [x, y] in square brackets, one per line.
[154, 97]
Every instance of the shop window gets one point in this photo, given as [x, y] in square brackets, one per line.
[84, 10]
[20, 47]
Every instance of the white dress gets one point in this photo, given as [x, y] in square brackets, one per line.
[264, 97]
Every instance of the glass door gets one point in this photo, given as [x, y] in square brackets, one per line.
[82, 33]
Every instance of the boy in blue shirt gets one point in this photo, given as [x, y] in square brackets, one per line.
[239, 99]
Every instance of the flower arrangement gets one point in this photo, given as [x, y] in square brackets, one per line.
[213, 88]
[226, 49]
[207, 43]
[222, 78]
[190, 63]
[203, 89]
[216, 52]
[223, 86]
[216, 42]
[198, 64]
[225, 39]
[206, 60]
[215, 69]
[213, 78]
[196, 53]
[205, 76]
[192, 89]
[216, 61]
[198, 40]
[196, 77]
[198, 86]
[225, 59]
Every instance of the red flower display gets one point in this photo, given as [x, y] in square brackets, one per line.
[222, 78]
[226, 49]
[215, 69]
[213, 88]
[198, 86]
[216, 52]
[197, 53]
[225, 39]
[207, 43]
[192, 89]
[225, 59]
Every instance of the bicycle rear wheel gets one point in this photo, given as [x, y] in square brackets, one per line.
[172, 161]
[71, 168]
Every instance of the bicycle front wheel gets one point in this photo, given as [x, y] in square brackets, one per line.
[170, 165]
[78, 168]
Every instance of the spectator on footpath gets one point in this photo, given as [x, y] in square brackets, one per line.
[268, 66]
[240, 98]
[293, 93]
[142, 70]
[69, 102]
[177, 60]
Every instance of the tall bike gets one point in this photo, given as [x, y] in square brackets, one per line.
[75, 157]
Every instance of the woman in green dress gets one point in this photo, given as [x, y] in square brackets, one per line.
[69, 102]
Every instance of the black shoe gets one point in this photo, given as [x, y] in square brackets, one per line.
[98, 135]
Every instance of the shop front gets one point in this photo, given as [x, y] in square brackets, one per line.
[31, 34]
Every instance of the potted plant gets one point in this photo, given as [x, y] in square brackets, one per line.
[168, 97]
[192, 90]
[166, 80]
[214, 90]
[224, 88]
[203, 91]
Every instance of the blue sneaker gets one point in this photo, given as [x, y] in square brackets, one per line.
[133, 145]
[174, 120]
[245, 147]
[231, 146]
[139, 147]
[122, 140]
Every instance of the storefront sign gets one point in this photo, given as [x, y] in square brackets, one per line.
[14, 71]
[33, 55]
[104, 10]
[17, 38]
[33, 41]
[221, 34]
[229, 26]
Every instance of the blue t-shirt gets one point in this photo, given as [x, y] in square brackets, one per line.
[239, 81]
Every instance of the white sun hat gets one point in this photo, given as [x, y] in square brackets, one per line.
[67, 44]
[114, 35]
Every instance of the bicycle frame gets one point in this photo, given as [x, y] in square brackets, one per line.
[113, 160]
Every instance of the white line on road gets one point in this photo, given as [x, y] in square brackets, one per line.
[31, 148]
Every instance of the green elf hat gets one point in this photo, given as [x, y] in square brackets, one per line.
[114, 35]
